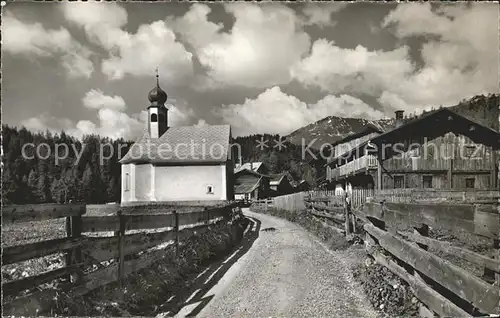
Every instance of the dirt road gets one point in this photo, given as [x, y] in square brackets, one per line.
[287, 273]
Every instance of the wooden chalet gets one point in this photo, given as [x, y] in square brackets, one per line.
[258, 167]
[302, 186]
[250, 185]
[441, 149]
[280, 185]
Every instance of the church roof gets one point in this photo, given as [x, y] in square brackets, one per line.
[187, 144]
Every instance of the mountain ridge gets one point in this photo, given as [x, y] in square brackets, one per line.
[484, 109]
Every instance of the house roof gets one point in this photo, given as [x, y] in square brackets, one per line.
[432, 125]
[275, 179]
[369, 128]
[187, 144]
[248, 165]
[246, 182]
[251, 172]
[438, 122]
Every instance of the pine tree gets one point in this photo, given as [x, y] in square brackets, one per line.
[32, 187]
[112, 190]
[55, 191]
[87, 180]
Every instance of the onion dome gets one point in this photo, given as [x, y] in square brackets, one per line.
[157, 96]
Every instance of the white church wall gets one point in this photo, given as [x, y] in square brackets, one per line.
[187, 183]
[143, 182]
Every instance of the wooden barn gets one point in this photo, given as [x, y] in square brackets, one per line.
[250, 185]
[302, 186]
[258, 167]
[279, 184]
[442, 149]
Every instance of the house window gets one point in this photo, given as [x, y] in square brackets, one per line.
[427, 181]
[154, 118]
[470, 183]
[210, 189]
[398, 182]
[127, 182]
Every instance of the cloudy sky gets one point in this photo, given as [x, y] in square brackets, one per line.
[263, 68]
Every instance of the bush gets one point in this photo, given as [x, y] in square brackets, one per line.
[146, 290]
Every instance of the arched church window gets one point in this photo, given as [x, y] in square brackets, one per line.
[127, 182]
[154, 118]
[161, 118]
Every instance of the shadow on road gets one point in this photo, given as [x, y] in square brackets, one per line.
[196, 290]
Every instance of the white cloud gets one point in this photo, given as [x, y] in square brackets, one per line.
[321, 14]
[358, 70]
[459, 60]
[201, 122]
[33, 40]
[47, 122]
[263, 43]
[276, 112]
[112, 120]
[153, 45]
[96, 99]
[115, 123]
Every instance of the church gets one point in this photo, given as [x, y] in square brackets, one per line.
[177, 164]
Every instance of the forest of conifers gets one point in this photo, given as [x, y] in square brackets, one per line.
[90, 172]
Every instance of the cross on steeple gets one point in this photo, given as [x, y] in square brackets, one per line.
[157, 76]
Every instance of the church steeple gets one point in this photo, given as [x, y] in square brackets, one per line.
[157, 112]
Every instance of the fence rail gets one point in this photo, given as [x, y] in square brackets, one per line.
[83, 251]
[445, 288]
[416, 195]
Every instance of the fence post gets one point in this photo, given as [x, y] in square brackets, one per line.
[176, 229]
[207, 215]
[353, 216]
[489, 275]
[121, 250]
[347, 226]
[74, 256]
[423, 230]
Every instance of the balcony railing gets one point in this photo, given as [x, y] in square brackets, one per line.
[355, 166]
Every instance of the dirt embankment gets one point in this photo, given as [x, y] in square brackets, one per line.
[333, 239]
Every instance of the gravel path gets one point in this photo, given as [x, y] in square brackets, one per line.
[287, 273]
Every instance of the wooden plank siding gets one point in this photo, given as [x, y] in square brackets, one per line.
[449, 156]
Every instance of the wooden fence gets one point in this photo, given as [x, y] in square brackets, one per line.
[426, 195]
[444, 287]
[359, 196]
[126, 253]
